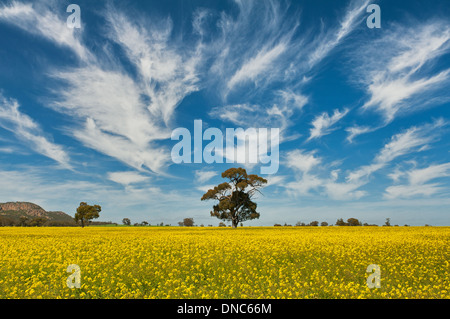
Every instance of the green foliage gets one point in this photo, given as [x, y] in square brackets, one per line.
[38, 221]
[188, 222]
[350, 222]
[353, 222]
[85, 213]
[235, 196]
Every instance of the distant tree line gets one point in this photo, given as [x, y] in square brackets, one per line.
[340, 222]
[24, 221]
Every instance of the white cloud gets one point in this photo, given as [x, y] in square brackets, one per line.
[251, 46]
[343, 191]
[237, 114]
[275, 180]
[396, 175]
[327, 42]
[357, 130]
[421, 176]
[167, 73]
[262, 52]
[202, 176]
[125, 116]
[413, 139]
[302, 161]
[411, 191]
[28, 131]
[285, 104]
[388, 95]
[397, 82]
[127, 178]
[304, 185]
[41, 20]
[292, 100]
[419, 48]
[307, 167]
[322, 123]
[205, 188]
[257, 65]
[417, 182]
[119, 147]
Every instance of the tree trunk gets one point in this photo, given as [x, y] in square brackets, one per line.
[234, 223]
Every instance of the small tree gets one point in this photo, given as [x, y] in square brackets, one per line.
[235, 196]
[85, 213]
[387, 222]
[353, 222]
[23, 220]
[38, 221]
[126, 221]
[340, 222]
[5, 221]
[314, 223]
[323, 224]
[188, 222]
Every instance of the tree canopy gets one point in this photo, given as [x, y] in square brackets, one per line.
[87, 212]
[235, 196]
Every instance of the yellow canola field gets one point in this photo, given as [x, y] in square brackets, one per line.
[248, 262]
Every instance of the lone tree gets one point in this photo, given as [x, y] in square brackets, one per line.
[189, 222]
[235, 196]
[87, 212]
[353, 222]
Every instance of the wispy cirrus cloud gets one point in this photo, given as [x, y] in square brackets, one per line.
[279, 52]
[322, 124]
[257, 65]
[202, 176]
[354, 131]
[414, 139]
[29, 131]
[403, 80]
[331, 39]
[113, 111]
[126, 178]
[39, 18]
[417, 182]
[167, 74]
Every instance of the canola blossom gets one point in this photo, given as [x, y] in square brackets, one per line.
[213, 262]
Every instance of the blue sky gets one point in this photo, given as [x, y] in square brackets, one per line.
[86, 114]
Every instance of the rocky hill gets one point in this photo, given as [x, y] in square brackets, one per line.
[15, 210]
